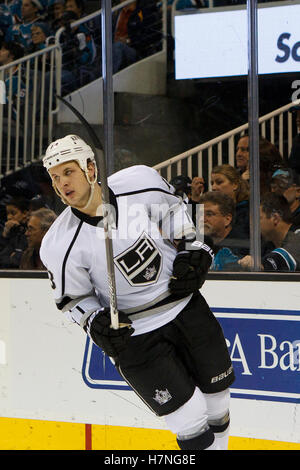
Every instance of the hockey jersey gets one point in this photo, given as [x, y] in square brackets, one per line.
[286, 257]
[146, 216]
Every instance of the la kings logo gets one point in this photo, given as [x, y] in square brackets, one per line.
[141, 263]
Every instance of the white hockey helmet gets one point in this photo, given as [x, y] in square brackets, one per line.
[70, 147]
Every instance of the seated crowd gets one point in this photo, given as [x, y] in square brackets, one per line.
[226, 217]
[28, 207]
[22, 234]
[32, 25]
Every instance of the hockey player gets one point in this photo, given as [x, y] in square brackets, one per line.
[169, 348]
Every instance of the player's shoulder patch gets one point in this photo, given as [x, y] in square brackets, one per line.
[137, 178]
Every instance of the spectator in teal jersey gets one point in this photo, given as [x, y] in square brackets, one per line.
[40, 33]
[31, 13]
[286, 181]
[275, 224]
[6, 20]
[15, 7]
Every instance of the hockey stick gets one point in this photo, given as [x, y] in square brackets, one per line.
[101, 164]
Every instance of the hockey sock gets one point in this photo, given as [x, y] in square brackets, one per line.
[220, 428]
[197, 441]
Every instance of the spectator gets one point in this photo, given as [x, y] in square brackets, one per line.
[190, 191]
[287, 183]
[55, 12]
[14, 233]
[226, 179]
[197, 189]
[136, 33]
[6, 20]
[242, 154]
[182, 185]
[269, 160]
[275, 228]
[79, 50]
[123, 52]
[294, 157]
[45, 189]
[38, 224]
[40, 32]
[37, 202]
[15, 8]
[219, 210]
[21, 32]
[13, 114]
[9, 52]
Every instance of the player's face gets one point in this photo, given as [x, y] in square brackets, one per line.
[71, 183]
[220, 182]
[215, 224]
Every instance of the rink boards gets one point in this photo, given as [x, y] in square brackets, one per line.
[59, 391]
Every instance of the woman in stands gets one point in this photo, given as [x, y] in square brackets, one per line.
[226, 178]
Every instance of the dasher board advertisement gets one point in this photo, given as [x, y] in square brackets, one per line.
[264, 346]
[215, 44]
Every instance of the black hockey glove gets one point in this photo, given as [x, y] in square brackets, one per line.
[190, 268]
[113, 342]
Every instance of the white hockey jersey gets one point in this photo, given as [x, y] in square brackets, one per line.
[147, 215]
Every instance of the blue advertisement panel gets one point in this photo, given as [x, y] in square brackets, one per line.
[264, 346]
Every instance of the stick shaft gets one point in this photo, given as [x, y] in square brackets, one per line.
[108, 149]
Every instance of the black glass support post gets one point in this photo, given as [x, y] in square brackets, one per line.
[107, 75]
[253, 118]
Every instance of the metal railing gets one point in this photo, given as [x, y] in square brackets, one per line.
[26, 116]
[277, 127]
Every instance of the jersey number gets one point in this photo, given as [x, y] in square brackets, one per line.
[51, 277]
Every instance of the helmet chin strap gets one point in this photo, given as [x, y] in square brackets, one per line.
[92, 190]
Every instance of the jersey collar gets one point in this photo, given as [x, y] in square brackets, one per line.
[98, 221]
